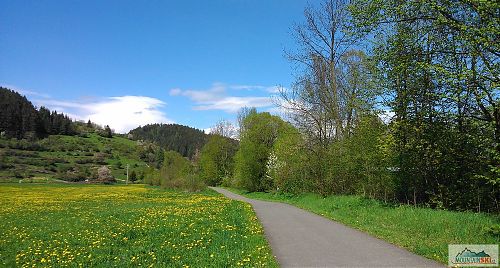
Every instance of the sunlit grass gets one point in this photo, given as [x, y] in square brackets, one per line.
[424, 231]
[107, 226]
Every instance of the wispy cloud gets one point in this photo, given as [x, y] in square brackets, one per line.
[217, 97]
[201, 96]
[246, 87]
[25, 92]
[275, 89]
[121, 113]
[233, 104]
[270, 89]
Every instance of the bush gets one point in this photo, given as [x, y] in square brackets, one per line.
[85, 160]
[133, 176]
[104, 175]
[189, 182]
[178, 173]
[118, 165]
[100, 158]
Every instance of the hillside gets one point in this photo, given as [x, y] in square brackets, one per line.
[73, 158]
[37, 144]
[182, 139]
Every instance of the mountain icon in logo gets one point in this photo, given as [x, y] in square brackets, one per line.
[467, 253]
[473, 255]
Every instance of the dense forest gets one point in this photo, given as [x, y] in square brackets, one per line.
[182, 139]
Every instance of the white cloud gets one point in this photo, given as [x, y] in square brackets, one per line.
[270, 89]
[246, 87]
[120, 113]
[233, 104]
[217, 98]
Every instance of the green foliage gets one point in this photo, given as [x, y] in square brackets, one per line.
[176, 172]
[106, 132]
[438, 65]
[261, 130]
[287, 164]
[133, 176]
[18, 117]
[359, 165]
[55, 124]
[151, 153]
[216, 160]
[152, 176]
[442, 147]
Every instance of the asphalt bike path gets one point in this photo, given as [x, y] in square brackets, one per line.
[300, 238]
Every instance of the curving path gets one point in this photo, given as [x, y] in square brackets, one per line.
[302, 239]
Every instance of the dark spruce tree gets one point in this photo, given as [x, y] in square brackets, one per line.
[108, 133]
[18, 117]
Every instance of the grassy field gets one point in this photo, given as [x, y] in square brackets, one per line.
[424, 231]
[126, 226]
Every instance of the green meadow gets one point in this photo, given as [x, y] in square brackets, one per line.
[54, 225]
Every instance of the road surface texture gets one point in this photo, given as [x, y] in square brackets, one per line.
[302, 239]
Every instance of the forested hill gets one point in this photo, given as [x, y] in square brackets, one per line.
[179, 138]
[20, 119]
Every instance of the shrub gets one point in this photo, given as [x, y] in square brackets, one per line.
[104, 175]
[177, 172]
[133, 176]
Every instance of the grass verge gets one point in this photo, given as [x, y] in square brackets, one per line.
[424, 231]
[126, 226]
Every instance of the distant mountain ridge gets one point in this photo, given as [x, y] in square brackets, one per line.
[182, 139]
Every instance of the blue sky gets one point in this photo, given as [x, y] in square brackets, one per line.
[129, 63]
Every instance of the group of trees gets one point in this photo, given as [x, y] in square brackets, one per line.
[173, 153]
[54, 123]
[185, 140]
[175, 172]
[438, 65]
[432, 65]
[21, 120]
